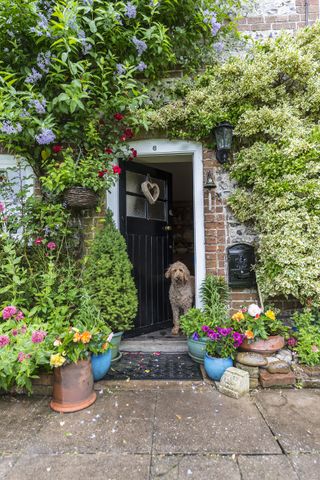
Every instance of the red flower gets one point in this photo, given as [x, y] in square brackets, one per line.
[128, 132]
[57, 148]
[108, 150]
[257, 316]
[118, 116]
[38, 241]
[101, 173]
[134, 152]
[123, 138]
[116, 169]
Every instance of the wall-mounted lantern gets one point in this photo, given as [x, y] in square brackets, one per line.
[210, 185]
[223, 135]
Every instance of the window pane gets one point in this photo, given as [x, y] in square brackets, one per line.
[133, 181]
[136, 206]
[162, 186]
[158, 211]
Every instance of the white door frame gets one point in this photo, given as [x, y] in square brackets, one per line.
[158, 147]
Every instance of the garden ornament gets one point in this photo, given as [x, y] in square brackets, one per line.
[151, 191]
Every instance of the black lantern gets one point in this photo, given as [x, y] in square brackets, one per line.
[223, 134]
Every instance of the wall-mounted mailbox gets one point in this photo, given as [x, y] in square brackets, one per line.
[240, 261]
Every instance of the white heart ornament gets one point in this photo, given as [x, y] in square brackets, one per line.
[151, 191]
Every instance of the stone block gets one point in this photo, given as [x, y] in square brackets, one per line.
[234, 383]
[253, 371]
[276, 379]
[254, 383]
[251, 359]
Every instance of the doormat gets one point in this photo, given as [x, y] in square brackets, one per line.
[154, 366]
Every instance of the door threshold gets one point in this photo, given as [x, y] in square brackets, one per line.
[154, 345]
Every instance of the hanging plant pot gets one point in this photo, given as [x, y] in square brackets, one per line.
[73, 387]
[81, 198]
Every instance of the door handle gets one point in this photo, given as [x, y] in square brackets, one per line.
[167, 228]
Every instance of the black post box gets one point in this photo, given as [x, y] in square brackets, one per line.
[240, 261]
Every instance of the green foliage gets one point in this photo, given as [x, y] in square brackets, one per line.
[214, 293]
[272, 97]
[108, 278]
[308, 336]
[192, 321]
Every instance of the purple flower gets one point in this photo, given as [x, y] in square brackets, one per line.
[215, 26]
[140, 45]
[218, 46]
[4, 340]
[205, 328]
[120, 69]
[213, 335]
[8, 128]
[224, 331]
[44, 61]
[14, 332]
[38, 336]
[45, 137]
[131, 10]
[34, 76]
[141, 66]
[9, 312]
[39, 105]
[195, 336]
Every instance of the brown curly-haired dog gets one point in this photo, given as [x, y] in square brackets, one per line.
[181, 292]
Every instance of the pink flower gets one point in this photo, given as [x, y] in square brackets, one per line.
[8, 312]
[292, 342]
[22, 356]
[116, 169]
[38, 336]
[23, 329]
[1, 207]
[38, 241]
[19, 316]
[4, 340]
[14, 332]
[51, 246]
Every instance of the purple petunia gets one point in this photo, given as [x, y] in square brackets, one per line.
[131, 10]
[45, 137]
[213, 335]
[34, 76]
[195, 336]
[224, 331]
[205, 328]
[140, 45]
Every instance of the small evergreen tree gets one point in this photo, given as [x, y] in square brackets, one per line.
[108, 278]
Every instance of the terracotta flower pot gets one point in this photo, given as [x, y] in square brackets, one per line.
[264, 347]
[73, 387]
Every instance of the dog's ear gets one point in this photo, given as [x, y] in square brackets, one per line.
[168, 272]
[186, 274]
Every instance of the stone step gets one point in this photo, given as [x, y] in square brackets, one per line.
[149, 346]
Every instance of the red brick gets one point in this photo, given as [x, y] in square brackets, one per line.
[276, 379]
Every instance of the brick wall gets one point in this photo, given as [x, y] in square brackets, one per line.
[268, 17]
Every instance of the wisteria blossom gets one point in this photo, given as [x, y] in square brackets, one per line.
[45, 137]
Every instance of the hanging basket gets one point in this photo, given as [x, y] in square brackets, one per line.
[80, 197]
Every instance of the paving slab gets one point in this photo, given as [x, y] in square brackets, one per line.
[208, 422]
[294, 417]
[120, 422]
[307, 466]
[199, 467]
[100, 466]
[266, 467]
[7, 462]
[20, 420]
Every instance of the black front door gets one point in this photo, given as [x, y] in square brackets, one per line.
[147, 229]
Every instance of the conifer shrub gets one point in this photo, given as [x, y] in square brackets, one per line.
[108, 278]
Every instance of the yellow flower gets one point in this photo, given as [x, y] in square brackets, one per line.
[105, 346]
[77, 337]
[270, 314]
[249, 334]
[238, 316]
[57, 360]
[86, 337]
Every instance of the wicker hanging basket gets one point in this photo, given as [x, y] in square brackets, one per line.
[81, 198]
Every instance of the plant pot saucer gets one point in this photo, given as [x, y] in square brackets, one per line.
[117, 358]
[73, 407]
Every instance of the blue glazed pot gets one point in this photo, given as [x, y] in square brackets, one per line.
[197, 349]
[101, 364]
[215, 367]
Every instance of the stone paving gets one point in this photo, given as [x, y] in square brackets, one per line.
[164, 430]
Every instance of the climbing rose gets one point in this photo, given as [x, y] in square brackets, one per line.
[123, 138]
[108, 150]
[134, 152]
[4, 340]
[9, 312]
[118, 116]
[38, 241]
[57, 148]
[52, 246]
[128, 132]
[101, 173]
[116, 169]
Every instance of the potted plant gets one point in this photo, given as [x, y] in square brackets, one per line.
[220, 350]
[214, 295]
[263, 331]
[108, 279]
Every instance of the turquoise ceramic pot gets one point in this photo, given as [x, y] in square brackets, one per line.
[101, 364]
[197, 348]
[215, 367]
[115, 342]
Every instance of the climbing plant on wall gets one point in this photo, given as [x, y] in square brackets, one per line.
[272, 97]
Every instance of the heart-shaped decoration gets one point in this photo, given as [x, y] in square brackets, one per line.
[151, 191]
